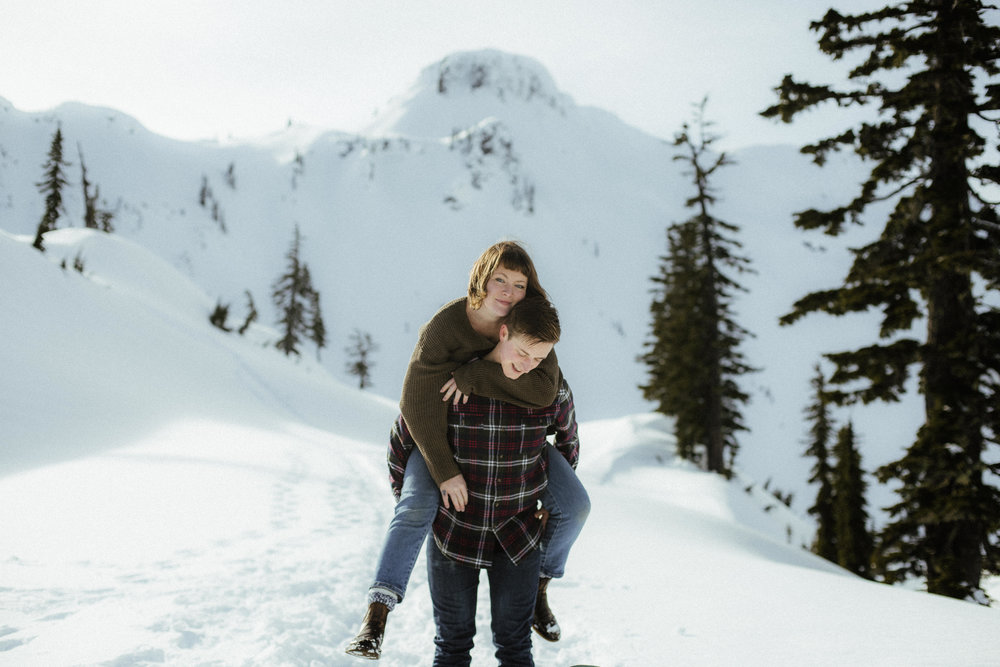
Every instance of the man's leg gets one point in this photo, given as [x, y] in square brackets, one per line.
[454, 588]
[512, 602]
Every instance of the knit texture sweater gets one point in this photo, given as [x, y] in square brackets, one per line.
[445, 346]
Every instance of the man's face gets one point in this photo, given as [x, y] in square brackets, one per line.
[517, 354]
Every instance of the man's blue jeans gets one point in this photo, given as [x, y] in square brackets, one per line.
[565, 498]
[454, 591]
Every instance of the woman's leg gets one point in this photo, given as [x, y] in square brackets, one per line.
[569, 506]
[418, 502]
[414, 514]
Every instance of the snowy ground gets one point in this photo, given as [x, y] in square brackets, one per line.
[170, 494]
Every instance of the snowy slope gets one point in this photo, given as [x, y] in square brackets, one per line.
[172, 494]
[483, 146]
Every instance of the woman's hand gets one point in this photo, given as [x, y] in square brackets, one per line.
[451, 389]
[456, 491]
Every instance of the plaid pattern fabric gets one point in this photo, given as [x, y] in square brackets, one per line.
[500, 449]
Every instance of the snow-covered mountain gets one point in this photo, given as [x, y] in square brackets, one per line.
[483, 146]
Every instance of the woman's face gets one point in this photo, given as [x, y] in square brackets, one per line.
[504, 288]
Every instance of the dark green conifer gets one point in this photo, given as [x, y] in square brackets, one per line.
[93, 216]
[89, 200]
[251, 314]
[359, 352]
[694, 358]
[51, 186]
[854, 541]
[289, 293]
[820, 432]
[298, 303]
[927, 68]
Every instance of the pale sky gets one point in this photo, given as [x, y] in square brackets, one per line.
[215, 69]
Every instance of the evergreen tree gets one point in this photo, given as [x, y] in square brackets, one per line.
[854, 542]
[297, 303]
[51, 186]
[934, 260]
[89, 200]
[694, 358]
[251, 314]
[219, 316]
[674, 348]
[358, 353]
[93, 217]
[820, 431]
[315, 326]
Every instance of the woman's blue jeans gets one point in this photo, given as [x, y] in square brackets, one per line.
[565, 499]
[454, 592]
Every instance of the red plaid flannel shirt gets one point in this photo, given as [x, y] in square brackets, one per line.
[500, 449]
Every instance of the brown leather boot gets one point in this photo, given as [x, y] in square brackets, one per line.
[545, 623]
[368, 642]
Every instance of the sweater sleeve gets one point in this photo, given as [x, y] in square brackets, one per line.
[440, 348]
[537, 389]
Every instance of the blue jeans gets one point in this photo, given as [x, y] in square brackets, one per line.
[565, 498]
[569, 506]
[454, 591]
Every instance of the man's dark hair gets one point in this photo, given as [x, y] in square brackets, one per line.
[536, 319]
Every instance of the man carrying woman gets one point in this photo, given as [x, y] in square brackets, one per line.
[465, 329]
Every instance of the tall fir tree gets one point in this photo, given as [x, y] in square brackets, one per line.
[694, 358]
[820, 434]
[927, 68]
[854, 541]
[315, 326]
[93, 217]
[297, 303]
[89, 200]
[51, 186]
[674, 347]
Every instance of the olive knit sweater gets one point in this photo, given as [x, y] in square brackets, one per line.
[443, 347]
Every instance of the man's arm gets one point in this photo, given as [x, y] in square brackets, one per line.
[400, 447]
[567, 438]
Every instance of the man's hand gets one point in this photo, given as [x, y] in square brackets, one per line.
[542, 515]
[450, 389]
[456, 491]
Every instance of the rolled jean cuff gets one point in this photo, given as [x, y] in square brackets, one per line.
[385, 595]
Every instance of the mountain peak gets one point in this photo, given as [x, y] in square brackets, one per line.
[463, 88]
[505, 76]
